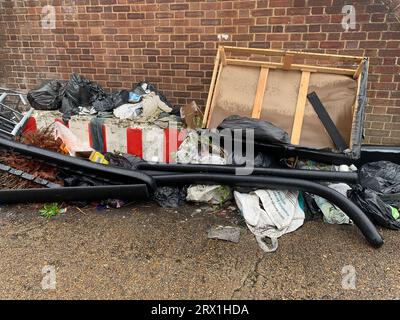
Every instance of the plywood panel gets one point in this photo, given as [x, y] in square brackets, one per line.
[338, 94]
[236, 93]
[280, 98]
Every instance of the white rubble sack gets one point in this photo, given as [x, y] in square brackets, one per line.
[279, 214]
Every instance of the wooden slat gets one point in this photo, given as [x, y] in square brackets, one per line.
[358, 71]
[214, 98]
[272, 52]
[258, 101]
[211, 91]
[222, 55]
[301, 67]
[300, 108]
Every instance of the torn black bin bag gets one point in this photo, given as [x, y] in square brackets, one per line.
[170, 197]
[126, 161]
[381, 176]
[79, 92]
[372, 205]
[47, 96]
[76, 93]
[326, 120]
[264, 131]
[111, 101]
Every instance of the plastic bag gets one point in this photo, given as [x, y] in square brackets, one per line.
[145, 87]
[127, 161]
[128, 111]
[270, 214]
[379, 212]
[111, 101]
[209, 194]
[264, 131]
[71, 141]
[332, 214]
[47, 96]
[381, 176]
[310, 207]
[170, 197]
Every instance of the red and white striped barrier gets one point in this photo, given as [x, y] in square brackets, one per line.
[148, 142]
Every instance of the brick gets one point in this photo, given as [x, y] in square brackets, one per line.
[173, 43]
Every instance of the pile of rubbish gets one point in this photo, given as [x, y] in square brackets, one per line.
[80, 96]
[277, 196]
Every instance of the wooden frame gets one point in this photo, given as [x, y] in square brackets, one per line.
[287, 63]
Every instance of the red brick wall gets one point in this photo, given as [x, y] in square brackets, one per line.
[172, 43]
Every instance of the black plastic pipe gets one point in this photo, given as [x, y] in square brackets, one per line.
[315, 175]
[359, 218]
[138, 192]
[127, 176]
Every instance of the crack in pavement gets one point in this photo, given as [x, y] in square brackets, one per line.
[252, 275]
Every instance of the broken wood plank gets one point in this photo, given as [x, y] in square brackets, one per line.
[211, 91]
[357, 73]
[299, 67]
[300, 108]
[216, 89]
[274, 52]
[222, 55]
[258, 101]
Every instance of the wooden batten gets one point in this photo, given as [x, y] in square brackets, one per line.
[211, 91]
[300, 108]
[216, 89]
[271, 52]
[299, 67]
[262, 85]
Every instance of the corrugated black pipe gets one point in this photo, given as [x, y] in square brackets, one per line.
[126, 176]
[138, 192]
[315, 175]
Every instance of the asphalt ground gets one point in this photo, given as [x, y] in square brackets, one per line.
[143, 251]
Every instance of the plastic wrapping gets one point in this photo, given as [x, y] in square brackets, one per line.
[170, 197]
[381, 176]
[378, 211]
[264, 131]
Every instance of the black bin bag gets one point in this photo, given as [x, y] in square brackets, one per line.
[381, 176]
[379, 212]
[47, 96]
[264, 131]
